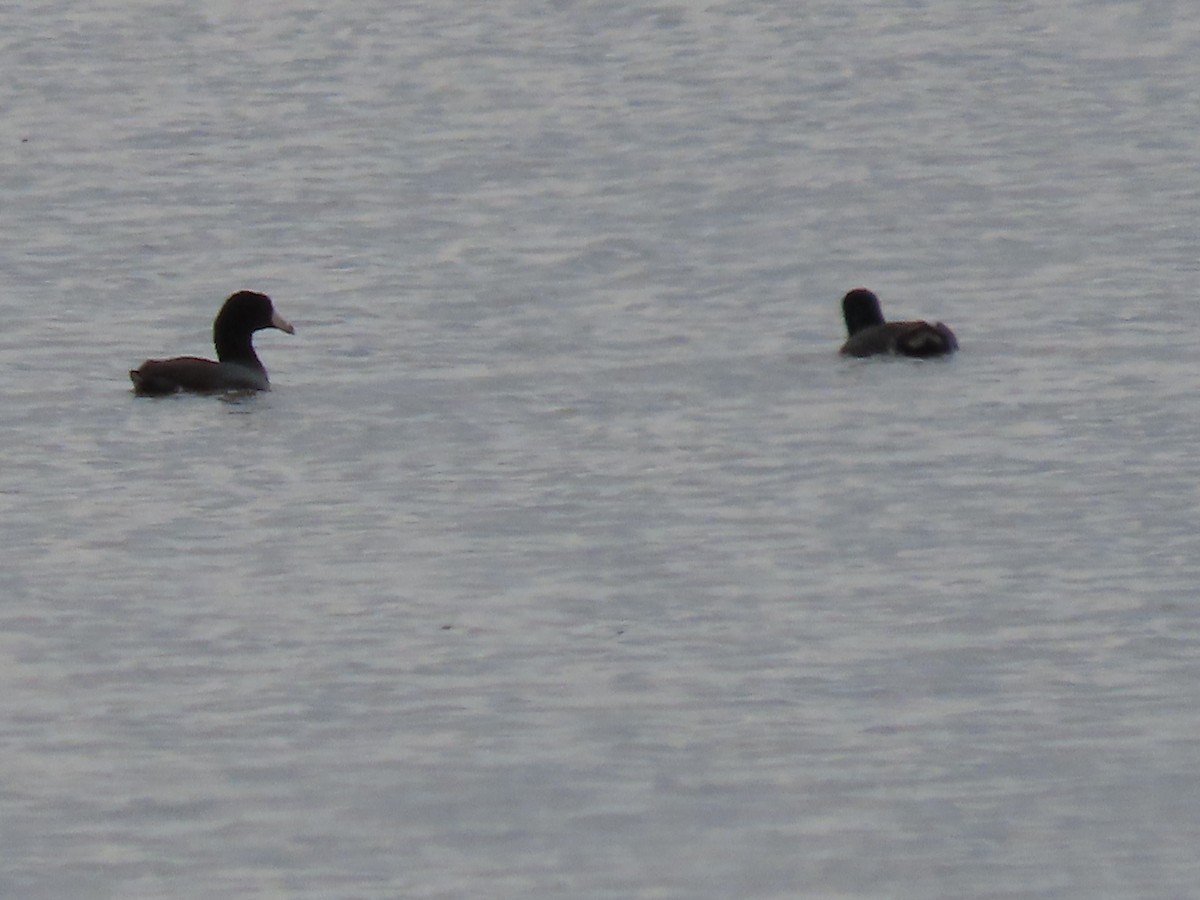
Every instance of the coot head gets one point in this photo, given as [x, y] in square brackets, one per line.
[243, 314]
[861, 309]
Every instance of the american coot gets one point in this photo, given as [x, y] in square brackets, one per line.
[237, 367]
[871, 336]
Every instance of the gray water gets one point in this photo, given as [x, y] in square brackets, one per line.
[566, 558]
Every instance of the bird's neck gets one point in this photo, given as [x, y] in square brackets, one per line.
[237, 350]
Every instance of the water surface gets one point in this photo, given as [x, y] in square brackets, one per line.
[566, 558]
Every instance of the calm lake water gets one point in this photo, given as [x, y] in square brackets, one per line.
[567, 559]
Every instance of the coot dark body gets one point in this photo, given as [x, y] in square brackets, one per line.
[870, 335]
[236, 368]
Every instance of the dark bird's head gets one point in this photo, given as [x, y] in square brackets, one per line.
[243, 314]
[249, 311]
[861, 309]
